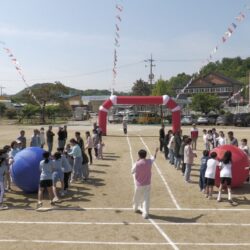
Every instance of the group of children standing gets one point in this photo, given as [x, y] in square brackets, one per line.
[67, 165]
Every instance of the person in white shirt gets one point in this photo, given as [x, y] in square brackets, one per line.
[210, 174]
[89, 146]
[76, 153]
[221, 139]
[206, 139]
[171, 149]
[226, 174]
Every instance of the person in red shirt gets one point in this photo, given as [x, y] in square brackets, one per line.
[194, 136]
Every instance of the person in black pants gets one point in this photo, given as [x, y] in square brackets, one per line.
[162, 136]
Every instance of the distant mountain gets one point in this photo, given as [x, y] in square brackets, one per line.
[53, 92]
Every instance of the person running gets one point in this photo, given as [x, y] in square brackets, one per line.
[226, 175]
[212, 163]
[46, 168]
[50, 138]
[125, 126]
[142, 172]
[89, 146]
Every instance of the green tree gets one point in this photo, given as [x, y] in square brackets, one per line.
[29, 111]
[141, 88]
[160, 88]
[2, 109]
[205, 102]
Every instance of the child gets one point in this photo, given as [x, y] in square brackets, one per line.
[95, 142]
[205, 140]
[183, 144]
[67, 168]
[57, 175]
[125, 126]
[188, 159]
[42, 137]
[243, 146]
[221, 140]
[232, 139]
[7, 149]
[100, 149]
[3, 170]
[226, 174]
[142, 171]
[171, 148]
[46, 168]
[203, 168]
[210, 174]
[194, 136]
[89, 146]
[85, 166]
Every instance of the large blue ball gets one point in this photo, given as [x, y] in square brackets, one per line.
[25, 170]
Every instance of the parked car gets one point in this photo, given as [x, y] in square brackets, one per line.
[242, 119]
[187, 120]
[132, 117]
[212, 119]
[149, 118]
[115, 118]
[202, 120]
[225, 119]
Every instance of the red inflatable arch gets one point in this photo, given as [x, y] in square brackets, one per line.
[140, 100]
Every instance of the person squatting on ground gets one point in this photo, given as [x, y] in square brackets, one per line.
[3, 171]
[203, 168]
[142, 174]
[161, 136]
[210, 174]
[46, 168]
[225, 167]
[188, 159]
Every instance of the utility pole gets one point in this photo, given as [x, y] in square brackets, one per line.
[1, 90]
[151, 65]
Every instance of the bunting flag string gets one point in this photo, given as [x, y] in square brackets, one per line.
[227, 34]
[118, 20]
[19, 71]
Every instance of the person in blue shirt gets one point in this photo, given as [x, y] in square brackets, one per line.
[203, 168]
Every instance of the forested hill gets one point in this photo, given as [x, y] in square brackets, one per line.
[236, 68]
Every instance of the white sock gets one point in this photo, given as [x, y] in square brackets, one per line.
[229, 195]
[219, 196]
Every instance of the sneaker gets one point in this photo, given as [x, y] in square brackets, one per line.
[218, 200]
[39, 204]
[3, 207]
[145, 216]
[56, 199]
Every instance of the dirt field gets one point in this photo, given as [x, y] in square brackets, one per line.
[98, 214]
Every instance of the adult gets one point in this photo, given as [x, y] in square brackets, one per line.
[65, 134]
[50, 138]
[232, 139]
[177, 146]
[161, 136]
[22, 139]
[61, 137]
[89, 146]
[194, 136]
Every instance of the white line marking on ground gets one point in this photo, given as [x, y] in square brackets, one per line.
[163, 179]
[165, 236]
[124, 243]
[125, 223]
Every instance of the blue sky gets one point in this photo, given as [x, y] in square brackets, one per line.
[62, 40]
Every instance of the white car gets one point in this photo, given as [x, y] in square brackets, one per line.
[202, 120]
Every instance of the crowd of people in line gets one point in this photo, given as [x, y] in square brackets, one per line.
[67, 164]
[180, 151]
